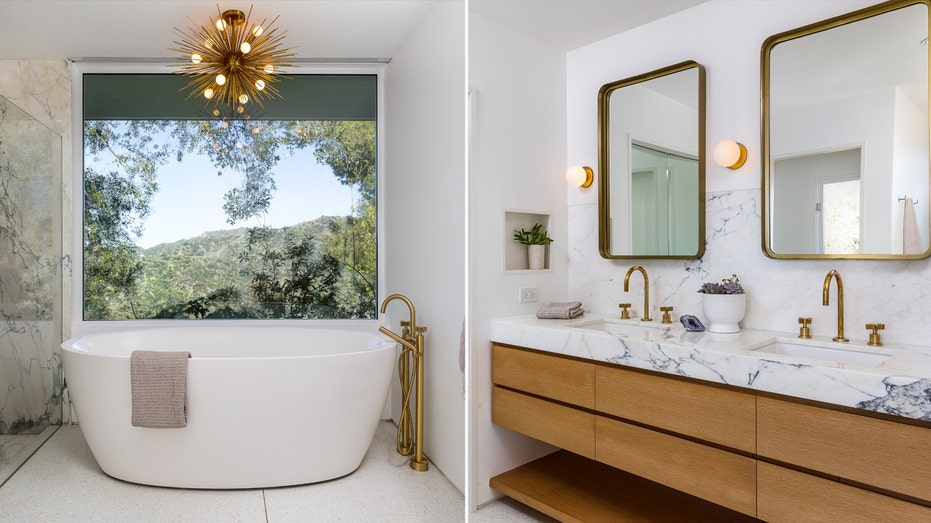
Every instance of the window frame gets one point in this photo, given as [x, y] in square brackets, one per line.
[80, 326]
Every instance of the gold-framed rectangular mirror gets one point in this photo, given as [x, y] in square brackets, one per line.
[651, 164]
[845, 136]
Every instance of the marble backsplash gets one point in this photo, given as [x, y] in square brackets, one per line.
[892, 292]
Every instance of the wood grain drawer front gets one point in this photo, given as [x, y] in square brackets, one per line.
[790, 496]
[888, 455]
[560, 378]
[565, 427]
[709, 413]
[705, 472]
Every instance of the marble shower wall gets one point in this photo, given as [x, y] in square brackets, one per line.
[34, 196]
[779, 291]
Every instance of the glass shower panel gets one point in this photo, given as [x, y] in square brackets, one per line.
[30, 285]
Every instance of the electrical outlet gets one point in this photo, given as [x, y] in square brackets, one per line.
[528, 294]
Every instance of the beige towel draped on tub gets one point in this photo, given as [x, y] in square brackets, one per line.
[159, 388]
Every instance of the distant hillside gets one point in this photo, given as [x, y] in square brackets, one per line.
[179, 271]
[216, 243]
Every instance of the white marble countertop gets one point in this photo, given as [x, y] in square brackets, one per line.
[899, 385]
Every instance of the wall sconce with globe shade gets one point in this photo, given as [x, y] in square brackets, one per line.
[580, 176]
[730, 154]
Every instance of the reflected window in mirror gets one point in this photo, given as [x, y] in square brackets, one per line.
[651, 164]
[845, 132]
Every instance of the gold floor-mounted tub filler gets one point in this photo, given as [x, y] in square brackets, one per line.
[410, 432]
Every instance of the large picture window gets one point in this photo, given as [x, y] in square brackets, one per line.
[189, 215]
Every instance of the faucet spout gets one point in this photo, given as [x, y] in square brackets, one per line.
[825, 300]
[646, 290]
[384, 307]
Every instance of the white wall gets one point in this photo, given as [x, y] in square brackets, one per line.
[514, 79]
[424, 217]
[517, 162]
[726, 37]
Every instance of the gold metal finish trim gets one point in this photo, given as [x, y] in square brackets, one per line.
[604, 167]
[765, 159]
[232, 62]
[410, 431]
[666, 317]
[875, 340]
[646, 290]
[825, 295]
[804, 331]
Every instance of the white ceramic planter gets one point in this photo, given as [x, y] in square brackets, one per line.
[724, 311]
[536, 256]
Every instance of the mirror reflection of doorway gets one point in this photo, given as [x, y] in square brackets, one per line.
[663, 205]
[819, 203]
[839, 227]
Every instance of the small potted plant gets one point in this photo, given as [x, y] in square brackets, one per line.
[724, 304]
[536, 241]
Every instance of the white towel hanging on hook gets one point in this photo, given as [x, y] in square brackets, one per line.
[911, 238]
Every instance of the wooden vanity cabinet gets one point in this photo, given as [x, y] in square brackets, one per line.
[792, 496]
[713, 414]
[862, 450]
[588, 418]
[718, 448]
[559, 379]
[661, 429]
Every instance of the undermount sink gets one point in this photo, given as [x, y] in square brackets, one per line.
[837, 355]
[616, 328]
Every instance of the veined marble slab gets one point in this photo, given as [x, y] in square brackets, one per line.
[900, 385]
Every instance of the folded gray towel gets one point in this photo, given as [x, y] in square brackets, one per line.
[159, 389]
[560, 310]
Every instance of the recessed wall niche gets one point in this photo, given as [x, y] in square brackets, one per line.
[515, 253]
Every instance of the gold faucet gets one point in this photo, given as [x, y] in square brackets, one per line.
[825, 293]
[646, 290]
[411, 340]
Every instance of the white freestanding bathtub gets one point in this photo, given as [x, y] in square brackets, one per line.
[267, 406]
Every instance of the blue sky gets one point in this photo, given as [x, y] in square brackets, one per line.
[190, 197]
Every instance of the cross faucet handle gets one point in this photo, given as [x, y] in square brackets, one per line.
[874, 336]
[804, 331]
[625, 314]
[666, 317]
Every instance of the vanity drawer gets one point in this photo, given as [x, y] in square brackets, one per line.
[791, 496]
[565, 427]
[718, 476]
[891, 456]
[712, 414]
[557, 377]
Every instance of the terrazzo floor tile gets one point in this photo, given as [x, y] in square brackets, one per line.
[16, 449]
[62, 483]
[383, 489]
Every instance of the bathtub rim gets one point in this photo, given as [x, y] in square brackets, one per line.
[86, 327]
[386, 343]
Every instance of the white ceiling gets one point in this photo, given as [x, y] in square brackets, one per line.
[570, 24]
[57, 29]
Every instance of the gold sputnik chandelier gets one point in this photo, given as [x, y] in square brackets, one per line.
[232, 62]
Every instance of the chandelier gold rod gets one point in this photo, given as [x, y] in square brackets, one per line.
[233, 61]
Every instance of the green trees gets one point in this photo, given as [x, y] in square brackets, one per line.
[319, 270]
